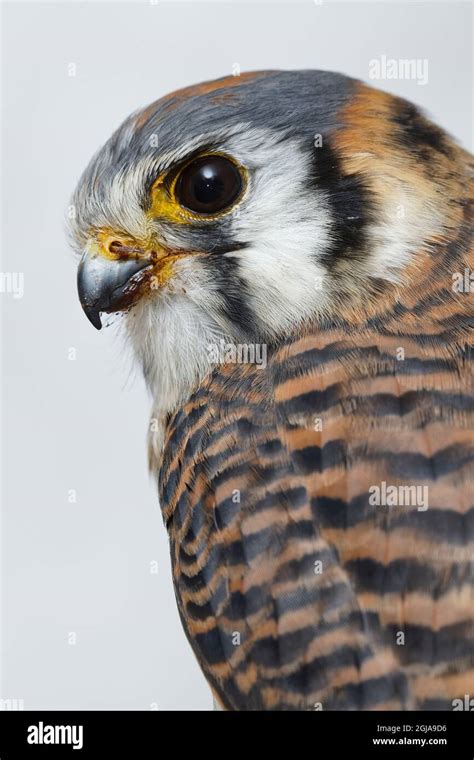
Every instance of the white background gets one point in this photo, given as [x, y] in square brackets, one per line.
[84, 567]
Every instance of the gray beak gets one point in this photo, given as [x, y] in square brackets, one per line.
[107, 284]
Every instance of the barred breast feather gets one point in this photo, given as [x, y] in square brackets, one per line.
[299, 584]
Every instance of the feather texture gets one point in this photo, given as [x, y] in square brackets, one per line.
[294, 589]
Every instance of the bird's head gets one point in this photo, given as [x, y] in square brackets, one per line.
[244, 208]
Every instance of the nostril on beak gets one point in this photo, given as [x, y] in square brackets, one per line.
[119, 250]
[114, 247]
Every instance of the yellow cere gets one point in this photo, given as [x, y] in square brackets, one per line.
[162, 259]
[100, 242]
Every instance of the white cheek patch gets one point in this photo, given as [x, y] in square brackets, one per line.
[288, 223]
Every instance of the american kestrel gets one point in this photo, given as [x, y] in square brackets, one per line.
[292, 252]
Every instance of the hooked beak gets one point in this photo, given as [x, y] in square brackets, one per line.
[110, 284]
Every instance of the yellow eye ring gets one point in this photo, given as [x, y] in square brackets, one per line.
[204, 188]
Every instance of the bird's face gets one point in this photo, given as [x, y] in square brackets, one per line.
[225, 212]
[196, 202]
[225, 222]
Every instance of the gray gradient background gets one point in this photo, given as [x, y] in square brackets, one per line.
[85, 567]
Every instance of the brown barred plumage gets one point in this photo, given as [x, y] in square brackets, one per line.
[254, 496]
[299, 585]
[267, 472]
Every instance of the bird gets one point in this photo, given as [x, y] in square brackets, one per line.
[291, 256]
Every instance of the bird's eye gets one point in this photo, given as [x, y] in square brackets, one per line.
[209, 184]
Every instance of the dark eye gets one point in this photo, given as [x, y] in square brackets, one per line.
[209, 184]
